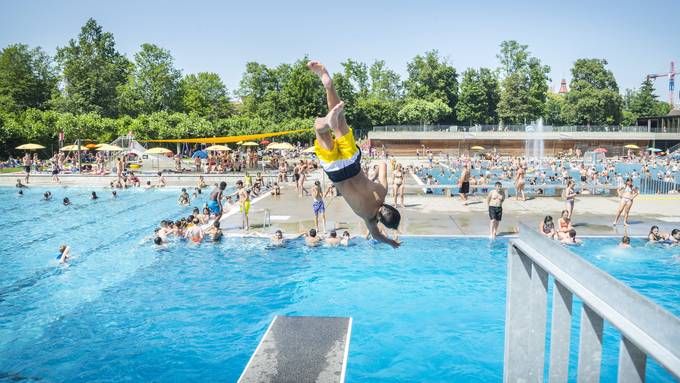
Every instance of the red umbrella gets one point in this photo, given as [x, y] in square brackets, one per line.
[600, 150]
[264, 142]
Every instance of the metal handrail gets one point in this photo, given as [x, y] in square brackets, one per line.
[646, 329]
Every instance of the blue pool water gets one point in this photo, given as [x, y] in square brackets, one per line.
[122, 310]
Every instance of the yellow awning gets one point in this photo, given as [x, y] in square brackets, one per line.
[223, 140]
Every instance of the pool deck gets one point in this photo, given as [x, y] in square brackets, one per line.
[423, 214]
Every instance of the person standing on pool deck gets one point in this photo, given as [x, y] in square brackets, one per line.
[570, 197]
[627, 193]
[244, 204]
[495, 200]
[318, 207]
[340, 158]
[27, 161]
[464, 183]
[215, 200]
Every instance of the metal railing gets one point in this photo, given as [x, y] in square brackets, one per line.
[651, 185]
[522, 128]
[646, 329]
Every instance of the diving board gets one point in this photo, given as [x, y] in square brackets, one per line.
[301, 349]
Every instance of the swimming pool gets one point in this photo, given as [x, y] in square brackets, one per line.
[431, 311]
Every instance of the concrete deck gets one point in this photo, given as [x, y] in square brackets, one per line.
[423, 214]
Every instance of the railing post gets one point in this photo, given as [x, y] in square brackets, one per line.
[590, 346]
[560, 334]
[539, 313]
[632, 362]
[517, 317]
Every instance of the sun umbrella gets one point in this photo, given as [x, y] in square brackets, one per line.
[600, 150]
[109, 148]
[221, 148]
[280, 146]
[30, 147]
[631, 146]
[93, 146]
[477, 148]
[655, 150]
[265, 142]
[158, 150]
[309, 150]
[249, 143]
[72, 148]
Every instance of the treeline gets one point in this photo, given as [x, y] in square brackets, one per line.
[90, 90]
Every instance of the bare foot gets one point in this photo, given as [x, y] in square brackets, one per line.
[332, 116]
[321, 125]
[321, 71]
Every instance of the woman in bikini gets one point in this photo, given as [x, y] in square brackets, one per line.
[547, 227]
[564, 225]
[627, 193]
[570, 197]
[519, 183]
[398, 183]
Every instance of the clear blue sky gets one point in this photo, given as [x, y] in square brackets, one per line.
[636, 37]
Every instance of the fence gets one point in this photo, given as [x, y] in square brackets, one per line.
[650, 185]
[521, 128]
[646, 329]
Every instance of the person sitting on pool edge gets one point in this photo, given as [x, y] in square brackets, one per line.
[340, 158]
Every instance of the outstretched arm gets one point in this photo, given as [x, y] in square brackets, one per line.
[378, 235]
[382, 174]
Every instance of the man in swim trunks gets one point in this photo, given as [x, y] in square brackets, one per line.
[495, 201]
[341, 159]
[215, 200]
[318, 206]
[244, 204]
[311, 239]
[464, 183]
[27, 162]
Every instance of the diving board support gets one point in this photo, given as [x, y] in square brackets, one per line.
[301, 349]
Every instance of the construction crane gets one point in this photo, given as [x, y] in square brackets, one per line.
[671, 81]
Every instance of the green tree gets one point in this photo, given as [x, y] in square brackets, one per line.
[92, 71]
[554, 106]
[385, 83]
[302, 94]
[154, 84]
[594, 96]
[524, 85]
[27, 78]
[471, 106]
[431, 77]
[204, 93]
[423, 111]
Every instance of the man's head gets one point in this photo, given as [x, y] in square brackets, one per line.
[184, 190]
[345, 233]
[223, 185]
[239, 184]
[498, 185]
[389, 216]
[278, 234]
[158, 240]
[334, 234]
[62, 248]
[312, 233]
[572, 233]
[216, 224]
[676, 234]
[626, 240]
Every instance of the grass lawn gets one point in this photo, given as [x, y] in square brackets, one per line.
[11, 170]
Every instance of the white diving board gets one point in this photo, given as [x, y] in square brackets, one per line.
[301, 349]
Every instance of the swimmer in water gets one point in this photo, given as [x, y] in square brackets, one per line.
[20, 185]
[344, 241]
[114, 194]
[20, 193]
[625, 242]
[66, 201]
[195, 232]
[341, 160]
[64, 254]
[94, 196]
[675, 237]
[47, 196]
[655, 235]
[333, 239]
[214, 231]
[311, 239]
[184, 198]
[571, 238]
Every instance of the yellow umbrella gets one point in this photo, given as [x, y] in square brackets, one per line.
[72, 148]
[477, 148]
[280, 146]
[109, 148]
[30, 147]
[249, 143]
[218, 148]
[309, 150]
[631, 146]
[158, 150]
